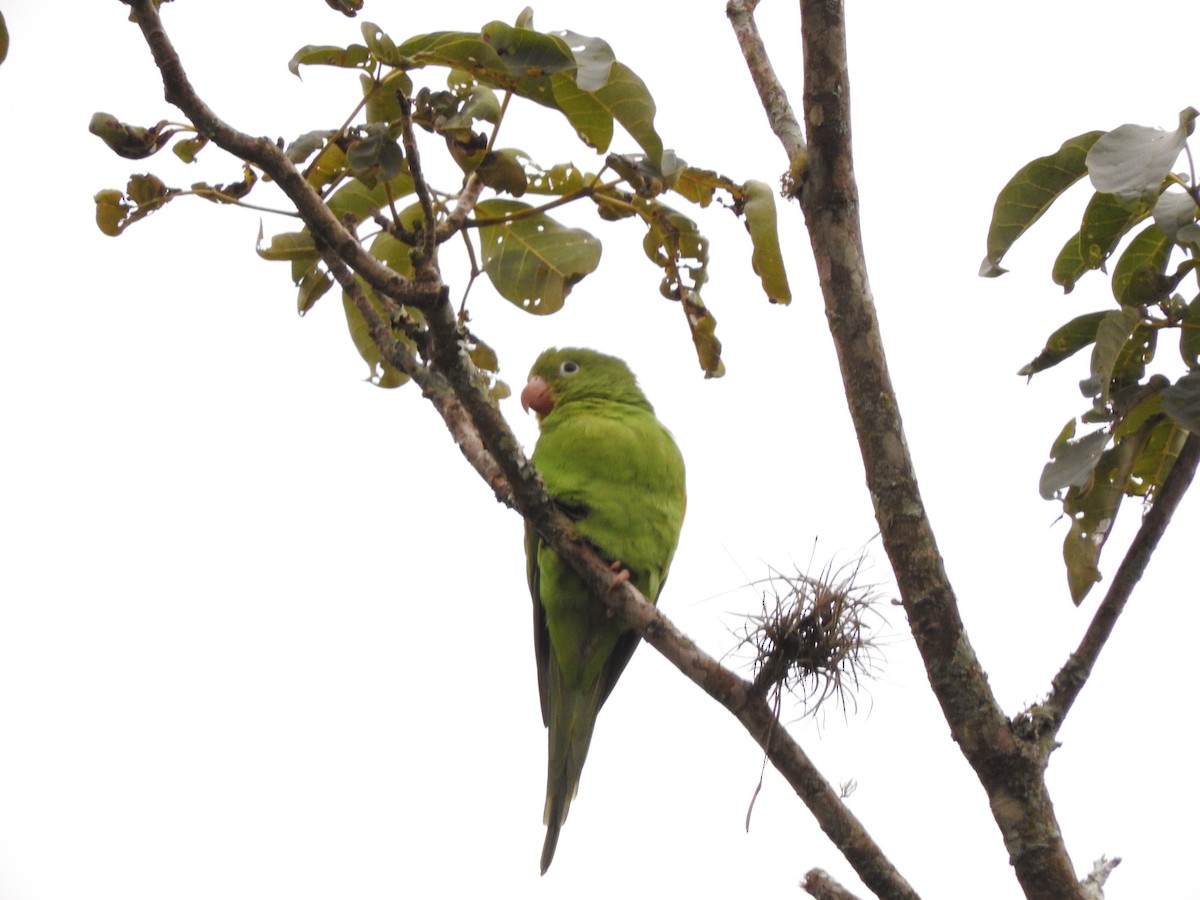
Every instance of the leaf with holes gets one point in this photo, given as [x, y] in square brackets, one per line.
[1158, 455]
[532, 260]
[1092, 509]
[623, 98]
[1072, 461]
[1113, 332]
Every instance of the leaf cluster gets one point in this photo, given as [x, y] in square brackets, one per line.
[367, 172]
[1145, 214]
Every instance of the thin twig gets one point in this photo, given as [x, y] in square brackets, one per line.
[426, 255]
[774, 98]
[1074, 674]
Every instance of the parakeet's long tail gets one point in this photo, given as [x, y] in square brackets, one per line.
[572, 720]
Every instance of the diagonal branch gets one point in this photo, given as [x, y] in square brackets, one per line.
[774, 98]
[1074, 674]
[456, 389]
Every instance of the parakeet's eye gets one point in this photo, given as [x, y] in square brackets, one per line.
[570, 367]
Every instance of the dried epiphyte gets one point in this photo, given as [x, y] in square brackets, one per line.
[814, 638]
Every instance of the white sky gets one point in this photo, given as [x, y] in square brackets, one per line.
[263, 634]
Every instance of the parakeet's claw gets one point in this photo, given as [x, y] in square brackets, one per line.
[622, 577]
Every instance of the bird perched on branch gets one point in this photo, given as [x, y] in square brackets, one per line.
[613, 468]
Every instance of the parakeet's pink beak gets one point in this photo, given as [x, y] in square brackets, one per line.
[537, 396]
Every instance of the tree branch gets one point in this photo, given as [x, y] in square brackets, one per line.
[823, 887]
[1009, 769]
[456, 389]
[774, 98]
[1074, 674]
[268, 156]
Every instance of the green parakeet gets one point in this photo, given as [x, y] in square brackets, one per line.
[613, 467]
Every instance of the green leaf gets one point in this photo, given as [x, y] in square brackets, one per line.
[187, 150]
[767, 259]
[3, 39]
[1182, 401]
[147, 189]
[504, 171]
[1174, 211]
[1069, 266]
[1130, 366]
[355, 56]
[377, 156]
[532, 260]
[1093, 509]
[1137, 277]
[1189, 334]
[393, 253]
[349, 8]
[594, 59]
[675, 244]
[381, 47]
[704, 334]
[1113, 332]
[313, 285]
[1065, 342]
[328, 168]
[558, 180]
[645, 177]
[525, 52]
[1157, 457]
[1029, 194]
[701, 186]
[1072, 460]
[130, 141]
[359, 202]
[382, 374]
[306, 145]
[1132, 161]
[227, 193]
[514, 59]
[1105, 221]
[289, 246]
[624, 97]
[111, 211]
[383, 102]
[456, 49]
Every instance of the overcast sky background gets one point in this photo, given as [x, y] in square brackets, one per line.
[264, 634]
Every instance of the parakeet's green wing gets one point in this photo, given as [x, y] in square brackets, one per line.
[615, 469]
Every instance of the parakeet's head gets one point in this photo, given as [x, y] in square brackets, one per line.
[573, 373]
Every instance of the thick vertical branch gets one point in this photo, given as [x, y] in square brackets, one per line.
[1009, 769]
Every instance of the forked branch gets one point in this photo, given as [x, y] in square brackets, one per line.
[448, 378]
[1009, 768]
